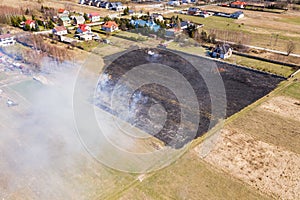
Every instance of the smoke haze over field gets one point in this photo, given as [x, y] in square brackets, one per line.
[41, 156]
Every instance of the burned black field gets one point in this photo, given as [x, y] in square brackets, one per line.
[242, 87]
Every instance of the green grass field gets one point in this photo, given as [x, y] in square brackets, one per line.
[293, 90]
[257, 34]
[262, 65]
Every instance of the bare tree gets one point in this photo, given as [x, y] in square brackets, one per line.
[290, 47]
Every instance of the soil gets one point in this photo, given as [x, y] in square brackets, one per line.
[243, 87]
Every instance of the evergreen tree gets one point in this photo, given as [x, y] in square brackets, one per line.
[27, 11]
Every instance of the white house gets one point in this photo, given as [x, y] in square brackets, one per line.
[174, 3]
[94, 17]
[79, 20]
[60, 30]
[110, 26]
[223, 51]
[7, 40]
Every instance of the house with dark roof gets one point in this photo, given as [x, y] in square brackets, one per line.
[116, 6]
[193, 10]
[237, 15]
[223, 51]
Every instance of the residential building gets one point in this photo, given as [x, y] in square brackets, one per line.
[94, 17]
[7, 40]
[142, 23]
[116, 6]
[223, 51]
[193, 10]
[60, 30]
[238, 4]
[110, 26]
[30, 23]
[79, 20]
[64, 21]
[83, 29]
[237, 15]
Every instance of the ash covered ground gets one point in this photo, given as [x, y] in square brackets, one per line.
[242, 86]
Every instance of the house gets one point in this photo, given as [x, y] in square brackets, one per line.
[96, 3]
[238, 4]
[186, 1]
[94, 17]
[142, 23]
[64, 21]
[193, 10]
[116, 6]
[60, 30]
[30, 23]
[104, 4]
[79, 20]
[7, 40]
[174, 3]
[83, 29]
[63, 11]
[237, 15]
[223, 51]
[157, 17]
[110, 26]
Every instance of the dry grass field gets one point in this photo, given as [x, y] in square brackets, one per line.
[260, 28]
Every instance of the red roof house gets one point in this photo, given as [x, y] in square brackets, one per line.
[61, 10]
[94, 17]
[238, 4]
[60, 30]
[110, 26]
[83, 28]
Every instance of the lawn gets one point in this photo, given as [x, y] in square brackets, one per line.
[187, 49]
[262, 65]
[290, 20]
[89, 45]
[293, 90]
[251, 28]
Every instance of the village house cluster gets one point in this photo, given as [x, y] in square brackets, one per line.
[76, 27]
